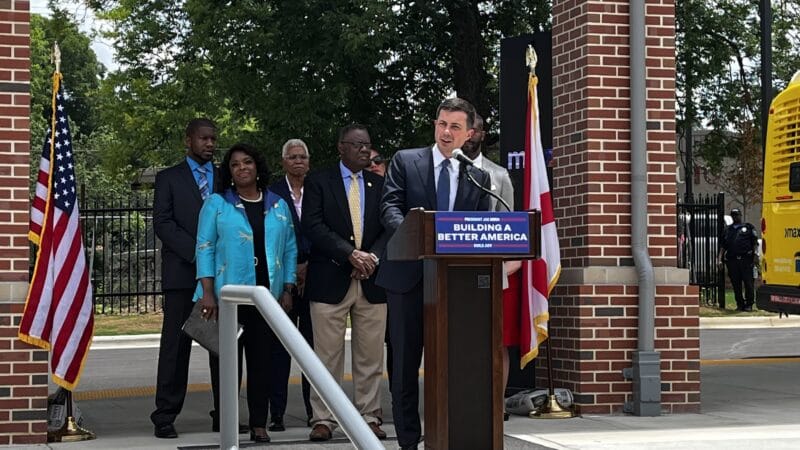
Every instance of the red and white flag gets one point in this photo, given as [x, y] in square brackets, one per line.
[59, 312]
[538, 276]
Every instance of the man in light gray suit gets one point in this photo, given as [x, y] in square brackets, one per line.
[501, 181]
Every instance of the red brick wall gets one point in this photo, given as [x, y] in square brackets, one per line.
[594, 310]
[23, 369]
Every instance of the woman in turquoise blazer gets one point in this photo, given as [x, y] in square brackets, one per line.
[245, 236]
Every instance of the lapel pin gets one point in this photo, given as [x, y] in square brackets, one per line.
[369, 184]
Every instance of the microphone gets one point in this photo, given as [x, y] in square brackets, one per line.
[462, 158]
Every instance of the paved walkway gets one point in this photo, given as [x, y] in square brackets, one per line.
[746, 404]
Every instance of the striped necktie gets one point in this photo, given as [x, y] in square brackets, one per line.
[202, 182]
[354, 200]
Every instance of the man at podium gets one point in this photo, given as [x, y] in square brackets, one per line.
[432, 179]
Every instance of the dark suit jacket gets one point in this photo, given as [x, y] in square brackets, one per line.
[409, 184]
[303, 245]
[176, 206]
[327, 225]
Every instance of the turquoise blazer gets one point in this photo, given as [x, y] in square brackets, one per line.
[225, 243]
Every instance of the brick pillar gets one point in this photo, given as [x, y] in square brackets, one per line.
[23, 368]
[594, 320]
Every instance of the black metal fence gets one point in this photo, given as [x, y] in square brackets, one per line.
[123, 252]
[700, 224]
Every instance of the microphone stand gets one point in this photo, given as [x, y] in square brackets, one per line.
[472, 180]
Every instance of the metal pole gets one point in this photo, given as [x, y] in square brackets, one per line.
[228, 376]
[645, 371]
[329, 390]
[766, 69]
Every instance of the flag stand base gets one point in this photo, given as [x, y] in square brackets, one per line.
[552, 410]
[70, 432]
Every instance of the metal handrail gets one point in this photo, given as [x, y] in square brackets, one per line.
[328, 389]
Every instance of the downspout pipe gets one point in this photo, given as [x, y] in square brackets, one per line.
[646, 371]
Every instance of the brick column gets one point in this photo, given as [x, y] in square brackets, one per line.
[594, 310]
[23, 368]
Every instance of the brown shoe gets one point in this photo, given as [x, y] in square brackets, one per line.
[380, 434]
[320, 432]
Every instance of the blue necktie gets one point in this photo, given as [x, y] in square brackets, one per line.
[443, 187]
[202, 182]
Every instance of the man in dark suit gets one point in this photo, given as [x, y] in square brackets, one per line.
[179, 194]
[428, 178]
[341, 219]
[295, 161]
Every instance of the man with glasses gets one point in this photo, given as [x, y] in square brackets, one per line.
[430, 178]
[295, 163]
[341, 219]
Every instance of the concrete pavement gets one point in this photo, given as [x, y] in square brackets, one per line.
[746, 404]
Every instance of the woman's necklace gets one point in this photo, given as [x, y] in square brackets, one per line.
[255, 200]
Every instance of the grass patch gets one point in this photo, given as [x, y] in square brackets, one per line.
[730, 309]
[121, 324]
[150, 323]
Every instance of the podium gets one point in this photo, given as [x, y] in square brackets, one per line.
[463, 318]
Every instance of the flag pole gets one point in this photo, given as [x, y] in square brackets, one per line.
[70, 431]
[551, 409]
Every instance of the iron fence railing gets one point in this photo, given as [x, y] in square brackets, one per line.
[700, 225]
[122, 251]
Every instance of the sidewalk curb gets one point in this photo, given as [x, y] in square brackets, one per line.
[749, 322]
[707, 323]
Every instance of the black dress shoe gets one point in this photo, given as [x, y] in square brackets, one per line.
[277, 424]
[260, 435]
[165, 431]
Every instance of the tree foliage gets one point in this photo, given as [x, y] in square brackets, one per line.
[83, 72]
[718, 80]
[83, 78]
[268, 71]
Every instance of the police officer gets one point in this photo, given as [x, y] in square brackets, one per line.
[738, 250]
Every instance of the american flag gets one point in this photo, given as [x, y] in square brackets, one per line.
[58, 311]
[538, 276]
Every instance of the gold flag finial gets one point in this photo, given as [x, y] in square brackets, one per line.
[55, 57]
[531, 58]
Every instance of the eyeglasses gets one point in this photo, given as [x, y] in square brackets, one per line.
[294, 157]
[378, 160]
[358, 145]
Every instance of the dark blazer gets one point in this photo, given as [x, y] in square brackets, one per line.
[303, 245]
[176, 207]
[409, 184]
[327, 225]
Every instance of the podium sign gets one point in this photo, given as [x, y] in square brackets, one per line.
[479, 232]
[463, 255]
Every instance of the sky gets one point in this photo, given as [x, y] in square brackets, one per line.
[89, 24]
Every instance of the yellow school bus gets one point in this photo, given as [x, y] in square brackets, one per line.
[780, 216]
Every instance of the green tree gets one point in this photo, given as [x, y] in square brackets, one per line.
[82, 73]
[82, 78]
[273, 70]
[718, 81]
